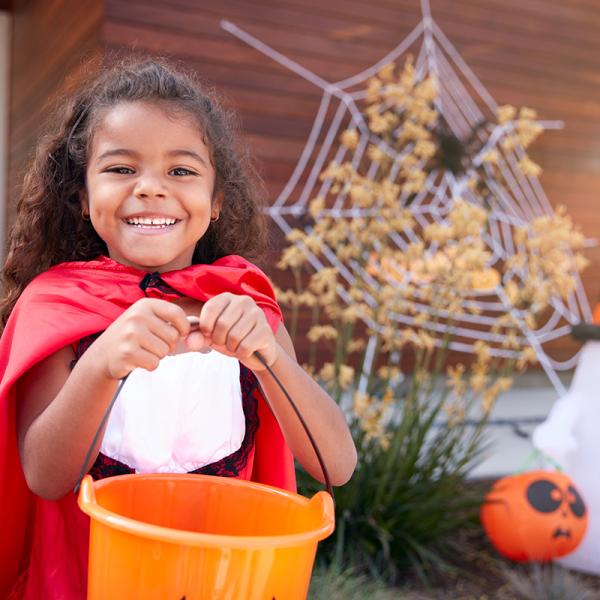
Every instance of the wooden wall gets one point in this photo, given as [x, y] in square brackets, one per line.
[50, 42]
[540, 53]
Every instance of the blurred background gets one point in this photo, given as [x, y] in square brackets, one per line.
[544, 54]
[539, 53]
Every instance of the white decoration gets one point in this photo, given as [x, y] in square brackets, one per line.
[571, 436]
[572, 430]
[521, 200]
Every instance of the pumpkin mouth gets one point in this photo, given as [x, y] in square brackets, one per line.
[558, 532]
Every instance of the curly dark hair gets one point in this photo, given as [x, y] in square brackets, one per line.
[49, 227]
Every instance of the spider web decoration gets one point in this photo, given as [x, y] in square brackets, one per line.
[464, 104]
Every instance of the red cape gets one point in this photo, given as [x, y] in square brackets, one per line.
[73, 300]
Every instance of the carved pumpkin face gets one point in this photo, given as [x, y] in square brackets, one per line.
[534, 516]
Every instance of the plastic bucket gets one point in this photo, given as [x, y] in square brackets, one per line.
[200, 537]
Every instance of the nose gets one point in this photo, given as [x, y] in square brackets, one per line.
[149, 186]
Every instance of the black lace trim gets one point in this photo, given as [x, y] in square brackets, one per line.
[229, 466]
[232, 465]
[153, 282]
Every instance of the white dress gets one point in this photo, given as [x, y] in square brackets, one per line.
[180, 417]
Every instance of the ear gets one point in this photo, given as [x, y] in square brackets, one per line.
[217, 203]
[85, 204]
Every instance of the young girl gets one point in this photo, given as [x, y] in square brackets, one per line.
[133, 218]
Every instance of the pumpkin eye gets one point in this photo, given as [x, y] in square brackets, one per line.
[542, 496]
[576, 502]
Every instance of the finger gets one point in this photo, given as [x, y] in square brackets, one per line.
[154, 344]
[240, 330]
[165, 331]
[211, 312]
[253, 341]
[227, 319]
[172, 314]
[147, 360]
[196, 342]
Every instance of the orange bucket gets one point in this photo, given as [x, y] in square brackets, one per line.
[200, 537]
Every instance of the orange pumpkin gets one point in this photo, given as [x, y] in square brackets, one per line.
[535, 516]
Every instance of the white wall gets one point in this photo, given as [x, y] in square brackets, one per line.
[4, 97]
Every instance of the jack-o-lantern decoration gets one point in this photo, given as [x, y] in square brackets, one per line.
[535, 516]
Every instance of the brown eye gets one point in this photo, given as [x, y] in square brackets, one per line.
[182, 171]
[120, 170]
[576, 502]
[542, 496]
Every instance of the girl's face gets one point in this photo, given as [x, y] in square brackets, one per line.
[149, 186]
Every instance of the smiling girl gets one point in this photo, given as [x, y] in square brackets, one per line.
[134, 217]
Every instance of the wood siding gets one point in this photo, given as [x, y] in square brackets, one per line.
[539, 53]
[50, 43]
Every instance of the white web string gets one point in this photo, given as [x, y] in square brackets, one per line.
[521, 199]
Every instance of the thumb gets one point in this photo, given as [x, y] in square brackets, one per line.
[197, 342]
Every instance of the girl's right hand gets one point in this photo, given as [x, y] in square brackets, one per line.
[146, 332]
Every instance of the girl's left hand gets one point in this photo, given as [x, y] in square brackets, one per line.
[235, 326]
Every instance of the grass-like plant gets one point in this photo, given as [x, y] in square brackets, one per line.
[548, 582]
[399, 292]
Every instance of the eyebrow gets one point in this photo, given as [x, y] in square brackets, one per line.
[134, 154]
[190, 153]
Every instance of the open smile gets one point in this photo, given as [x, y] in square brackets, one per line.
[152, 223]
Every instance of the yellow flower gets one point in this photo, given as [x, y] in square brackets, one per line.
[388, 396]
[425, 149]
[455, 412]
[384, 441]
[361, 403]
[503, 384]
[427, 90]
[407, 78]
[527, 113]
[349, 139]
[351, 313]
[373, 90]
[323, 280]
[485, 280]
[291, 257]
[316, 206]
[491, 157]
[420, 319]
[378, 124]
[386, 73]
[511, 290]
[356, 346]
[437, 232]
[528, 167]
[509, 143]
[478, 381]
[506, 113]
[482, 351]
[318, 332]
[528, 356]
[455, 381]
[425, 340]
[346, 376]
[307, 298]
[376, 154]
[295, 235]
[361, 195]
[389, 373]
[327, 372]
